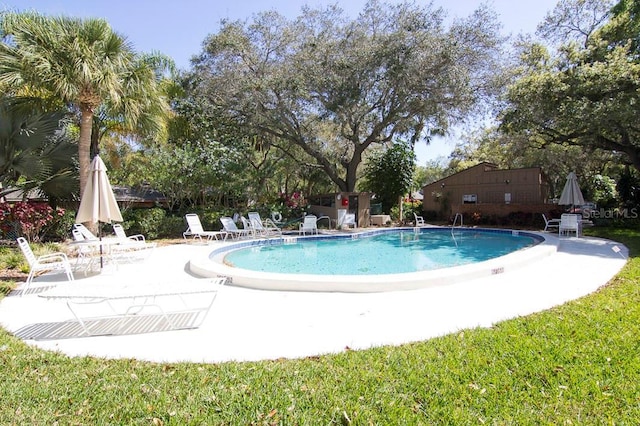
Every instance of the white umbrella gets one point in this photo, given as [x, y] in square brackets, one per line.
[571, 194]
[98, 203]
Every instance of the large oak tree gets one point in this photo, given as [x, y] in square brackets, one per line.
[335, 87]
[584, 93]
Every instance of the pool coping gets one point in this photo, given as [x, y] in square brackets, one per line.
[206, 267]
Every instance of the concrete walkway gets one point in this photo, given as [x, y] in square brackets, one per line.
[245, 324]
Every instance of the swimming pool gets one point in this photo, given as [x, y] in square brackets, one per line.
[396, 252]
[382, 263]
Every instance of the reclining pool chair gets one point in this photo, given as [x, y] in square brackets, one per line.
[195, 229]
[230, 229]
[131, 245]
[550, 223]
[246, 225]
[88, 235]
[263, 229]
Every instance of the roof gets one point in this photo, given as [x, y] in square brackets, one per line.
[143, 194]
[493, 168]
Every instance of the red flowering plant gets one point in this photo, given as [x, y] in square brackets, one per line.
[27, 219]
[292, 205]
[476, 217]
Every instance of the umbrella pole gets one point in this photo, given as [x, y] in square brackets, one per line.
[100, 231]
[100, 238]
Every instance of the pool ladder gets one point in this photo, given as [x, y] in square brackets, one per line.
[455, 220]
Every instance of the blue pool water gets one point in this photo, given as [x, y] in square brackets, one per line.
[394, 252]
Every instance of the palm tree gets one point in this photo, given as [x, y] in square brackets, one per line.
[87, 65]
[34, 151]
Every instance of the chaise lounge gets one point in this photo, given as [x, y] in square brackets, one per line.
[195, 229]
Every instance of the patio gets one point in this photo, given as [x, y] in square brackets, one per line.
[245, 324]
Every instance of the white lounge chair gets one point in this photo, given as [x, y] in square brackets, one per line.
[120, 233]
[350, 221]
[246, 225]
[48, 262]
[232, 230]
[309, 224]
[550, 223]
[93, 250]
[264, 229]
[88, 235]
[135, 241]
[419, 220]
[131, 245]
[88, 255]
[569, 223]
[195, 229]
[126, 308]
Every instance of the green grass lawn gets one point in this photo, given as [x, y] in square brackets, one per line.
[575, 364]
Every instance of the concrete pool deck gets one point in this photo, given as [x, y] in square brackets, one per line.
[247, 324]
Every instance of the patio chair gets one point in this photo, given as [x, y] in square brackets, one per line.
[136, 240]
[350, 221]
[121, 233]
[92, 250]
[247, 226]
[266, 228]
[88, 235]
[130, 245]
[88, 255]
[550, 223]
[419, 220]
[232, 230]
[309, 224]
[48, 262]
[569, 223]
[195, 229]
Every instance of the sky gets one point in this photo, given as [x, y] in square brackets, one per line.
[178, 28]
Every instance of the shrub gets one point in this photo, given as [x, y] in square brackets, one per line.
[394, 212]
[28, 219]
[409, 207]
[289, 206]
[12, 260]
[60, 227]
[154, 223]
[148, 222]
[172, 227]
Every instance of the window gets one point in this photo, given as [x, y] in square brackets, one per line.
[470, 199]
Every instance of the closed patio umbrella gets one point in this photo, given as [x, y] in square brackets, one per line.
[98, 203]
[571, 194]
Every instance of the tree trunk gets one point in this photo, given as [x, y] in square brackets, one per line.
[352, 168]
[84, 145]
